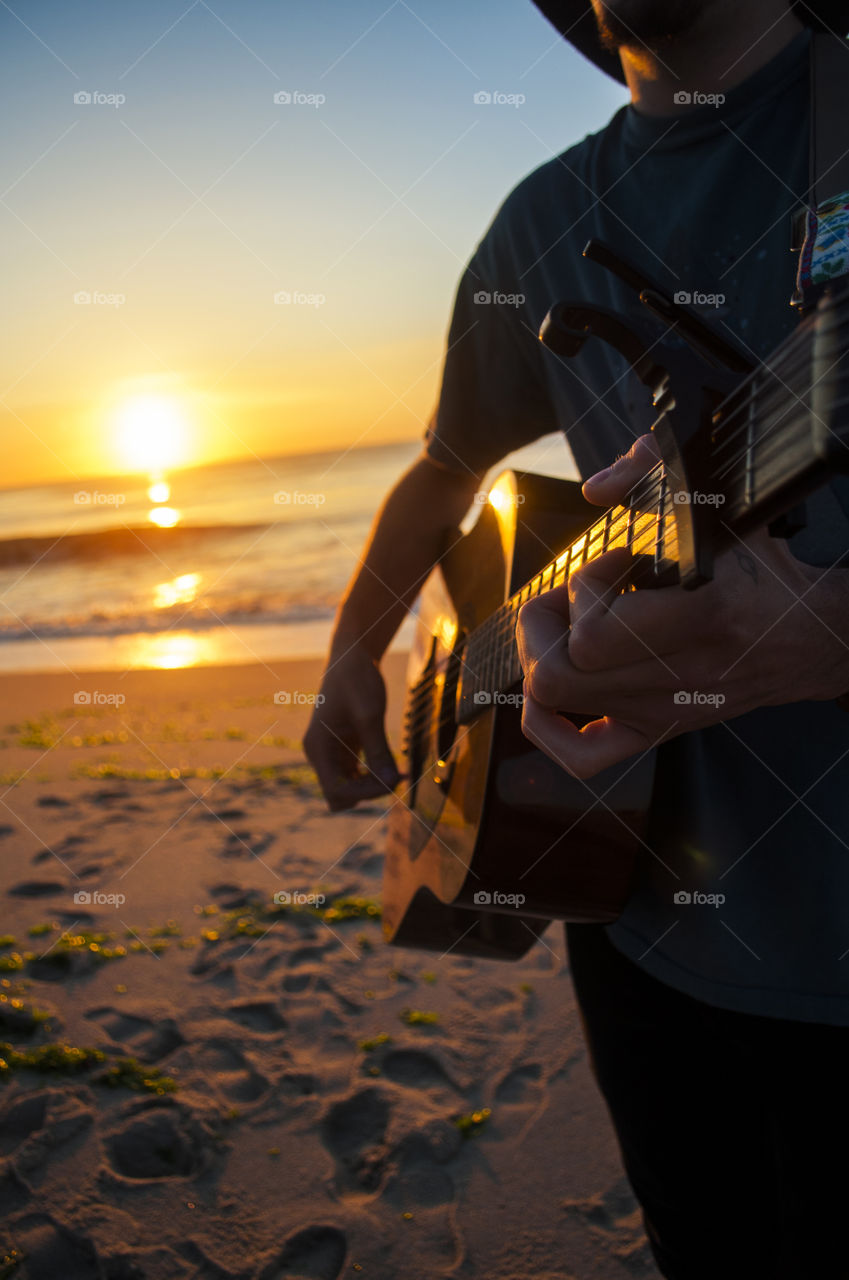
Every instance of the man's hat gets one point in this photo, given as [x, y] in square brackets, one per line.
[575, 20]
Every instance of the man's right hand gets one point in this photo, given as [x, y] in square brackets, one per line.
[348, 722]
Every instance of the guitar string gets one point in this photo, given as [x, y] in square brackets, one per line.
[490, 635]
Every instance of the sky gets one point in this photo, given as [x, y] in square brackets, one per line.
[236, 228]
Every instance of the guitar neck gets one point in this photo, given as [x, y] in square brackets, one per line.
[775, 439]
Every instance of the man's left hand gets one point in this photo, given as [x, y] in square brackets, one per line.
[653, 664]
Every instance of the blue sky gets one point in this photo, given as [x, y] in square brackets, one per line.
[198, 198]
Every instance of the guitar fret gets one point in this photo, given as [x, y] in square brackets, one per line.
[749, 475]
[661, 524]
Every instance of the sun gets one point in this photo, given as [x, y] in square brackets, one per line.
[152, 434]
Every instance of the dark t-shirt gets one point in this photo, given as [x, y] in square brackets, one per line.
[758, 809]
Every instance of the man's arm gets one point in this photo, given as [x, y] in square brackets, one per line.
[416, 525]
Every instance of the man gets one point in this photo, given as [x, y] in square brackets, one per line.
[718, 1033]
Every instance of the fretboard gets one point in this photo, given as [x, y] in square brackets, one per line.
[773, 440]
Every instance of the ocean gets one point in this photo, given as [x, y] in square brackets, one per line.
[250, 565]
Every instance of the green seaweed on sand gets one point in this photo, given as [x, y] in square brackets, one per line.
[67, 1059]
[10, 1260]
[471, 1122]
[17, 1015]
[418, 1018]
[132, 1074]
[368, 1046]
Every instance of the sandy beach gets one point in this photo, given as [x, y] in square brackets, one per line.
[202, 1081]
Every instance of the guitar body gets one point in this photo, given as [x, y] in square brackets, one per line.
[493, 840]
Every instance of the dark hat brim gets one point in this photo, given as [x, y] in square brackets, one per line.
[575, 20]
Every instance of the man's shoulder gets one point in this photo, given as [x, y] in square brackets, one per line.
[548, 200]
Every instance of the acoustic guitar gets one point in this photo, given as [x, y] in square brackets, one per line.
[489, 840]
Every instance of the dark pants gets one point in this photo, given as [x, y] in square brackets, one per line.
[734, 1129]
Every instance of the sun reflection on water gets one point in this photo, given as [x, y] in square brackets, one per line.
[181, 590]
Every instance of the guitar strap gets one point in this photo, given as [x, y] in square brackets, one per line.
[821, 230]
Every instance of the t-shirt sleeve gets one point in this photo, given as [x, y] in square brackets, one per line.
[493, 398]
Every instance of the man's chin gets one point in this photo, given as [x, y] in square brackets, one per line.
[647, 24]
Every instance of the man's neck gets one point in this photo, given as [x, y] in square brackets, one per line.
[706, 63]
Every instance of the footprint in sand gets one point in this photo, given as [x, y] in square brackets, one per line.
[6, 830]
[257, 1015]
[247, 844]
[150, 1039]
[20, 1118]
[353, 1130]
[34, 1126]
[51, 1250]
[614, 1219]
[520, 1086]
[221, 815]
[157, 1142]
[231, 1071]
[314, 1253]
[416, 1069]
[37, 888]
[53, 802]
